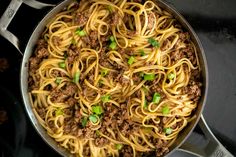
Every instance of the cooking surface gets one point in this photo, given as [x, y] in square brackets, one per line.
[215, 23]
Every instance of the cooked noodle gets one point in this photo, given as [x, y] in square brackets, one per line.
[114, 78]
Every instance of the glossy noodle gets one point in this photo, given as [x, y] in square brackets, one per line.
[114, 78]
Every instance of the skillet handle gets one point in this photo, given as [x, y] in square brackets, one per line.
[9, 14]
[207, 146]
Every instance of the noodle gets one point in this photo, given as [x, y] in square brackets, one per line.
[114, 78]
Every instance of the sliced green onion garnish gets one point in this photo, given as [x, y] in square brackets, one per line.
[149, 77]
[119, 146]
[131, 60]
[97, 133]
[156, 98]
[62, 65]
[105, 98]
[84, 121]
[76, 77]
[171, 76]
[59, 112]
[112, 38]
[113, 45]
[93, 118]
[97, 110]
[80, 32]
[58, 81]
[142, 53]
[110, 8]
[153, 42]
[145, 104]
[165, 110]
[104, 72]
[168, 130]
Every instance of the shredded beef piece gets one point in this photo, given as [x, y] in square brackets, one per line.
[92, 39]
[81, 19]
[34, 63]
[64, 93]
[56, 40]
[184, 37]
[3, 64]
[151, 21]
[136, 78]
[52, 126]
[126, 151]
[101, 141]
[42, 112]
[193, 90]
[177, 55]
[42, 53]
[189, 54]
[57, 73]
[71, 101]
[72, 53]
[114, 18]
[157, 89]
[42, 43]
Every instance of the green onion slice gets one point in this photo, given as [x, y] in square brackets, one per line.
[93, 118]
[153, 42]
[131, 60]
[62, 65]
[156, 98]
[80, 32]
[119, 146]
[59, 112]
[58, 81]
[76, 77]
[113, 45]
[165, 110]
[84, 121]
[149, 77]
[104, 72]
[168, 130]
[171, 76]
[97, 110]
[142, 53]
[105, 98]
[112, 38]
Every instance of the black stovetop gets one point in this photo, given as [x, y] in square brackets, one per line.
[214, 22]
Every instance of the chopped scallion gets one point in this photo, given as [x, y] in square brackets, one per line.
[76, 77]
[149, 77]
[153, 42]
[93, 118]
[145, 104]
[165, 110]
[171, 76]
[59, 112]
[119, 146]
[156, 98]
[131, 60]
[97, 110]
[112, 38]
[105, 98]
[110, 8]
[104, 72]
[62, 65]
[80, 32]
[58, 81]
[142, 53]
[84, 121]
[168, 130]
[113, 45]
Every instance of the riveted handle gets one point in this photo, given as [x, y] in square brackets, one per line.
[9, 14]
[204, 146]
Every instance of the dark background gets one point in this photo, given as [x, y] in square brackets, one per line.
[214, 22]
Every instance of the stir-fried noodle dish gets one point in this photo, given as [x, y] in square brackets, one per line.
[114, 78]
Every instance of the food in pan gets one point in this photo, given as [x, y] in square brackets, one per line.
[114, 78]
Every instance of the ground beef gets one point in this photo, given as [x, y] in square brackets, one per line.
[72, 53]
[64, 93]
[71, 101]
[126, 151]
[56, 40]
[91, 40]
[52, 126]
[100, 141]
[151, 21]
[57, 73]
[177, 55]
[42, 112]
[81, 18]
[114, 19]
[158, 89]
[193, 90]
[3, 64]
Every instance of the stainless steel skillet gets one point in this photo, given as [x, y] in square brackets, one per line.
[187, 141]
